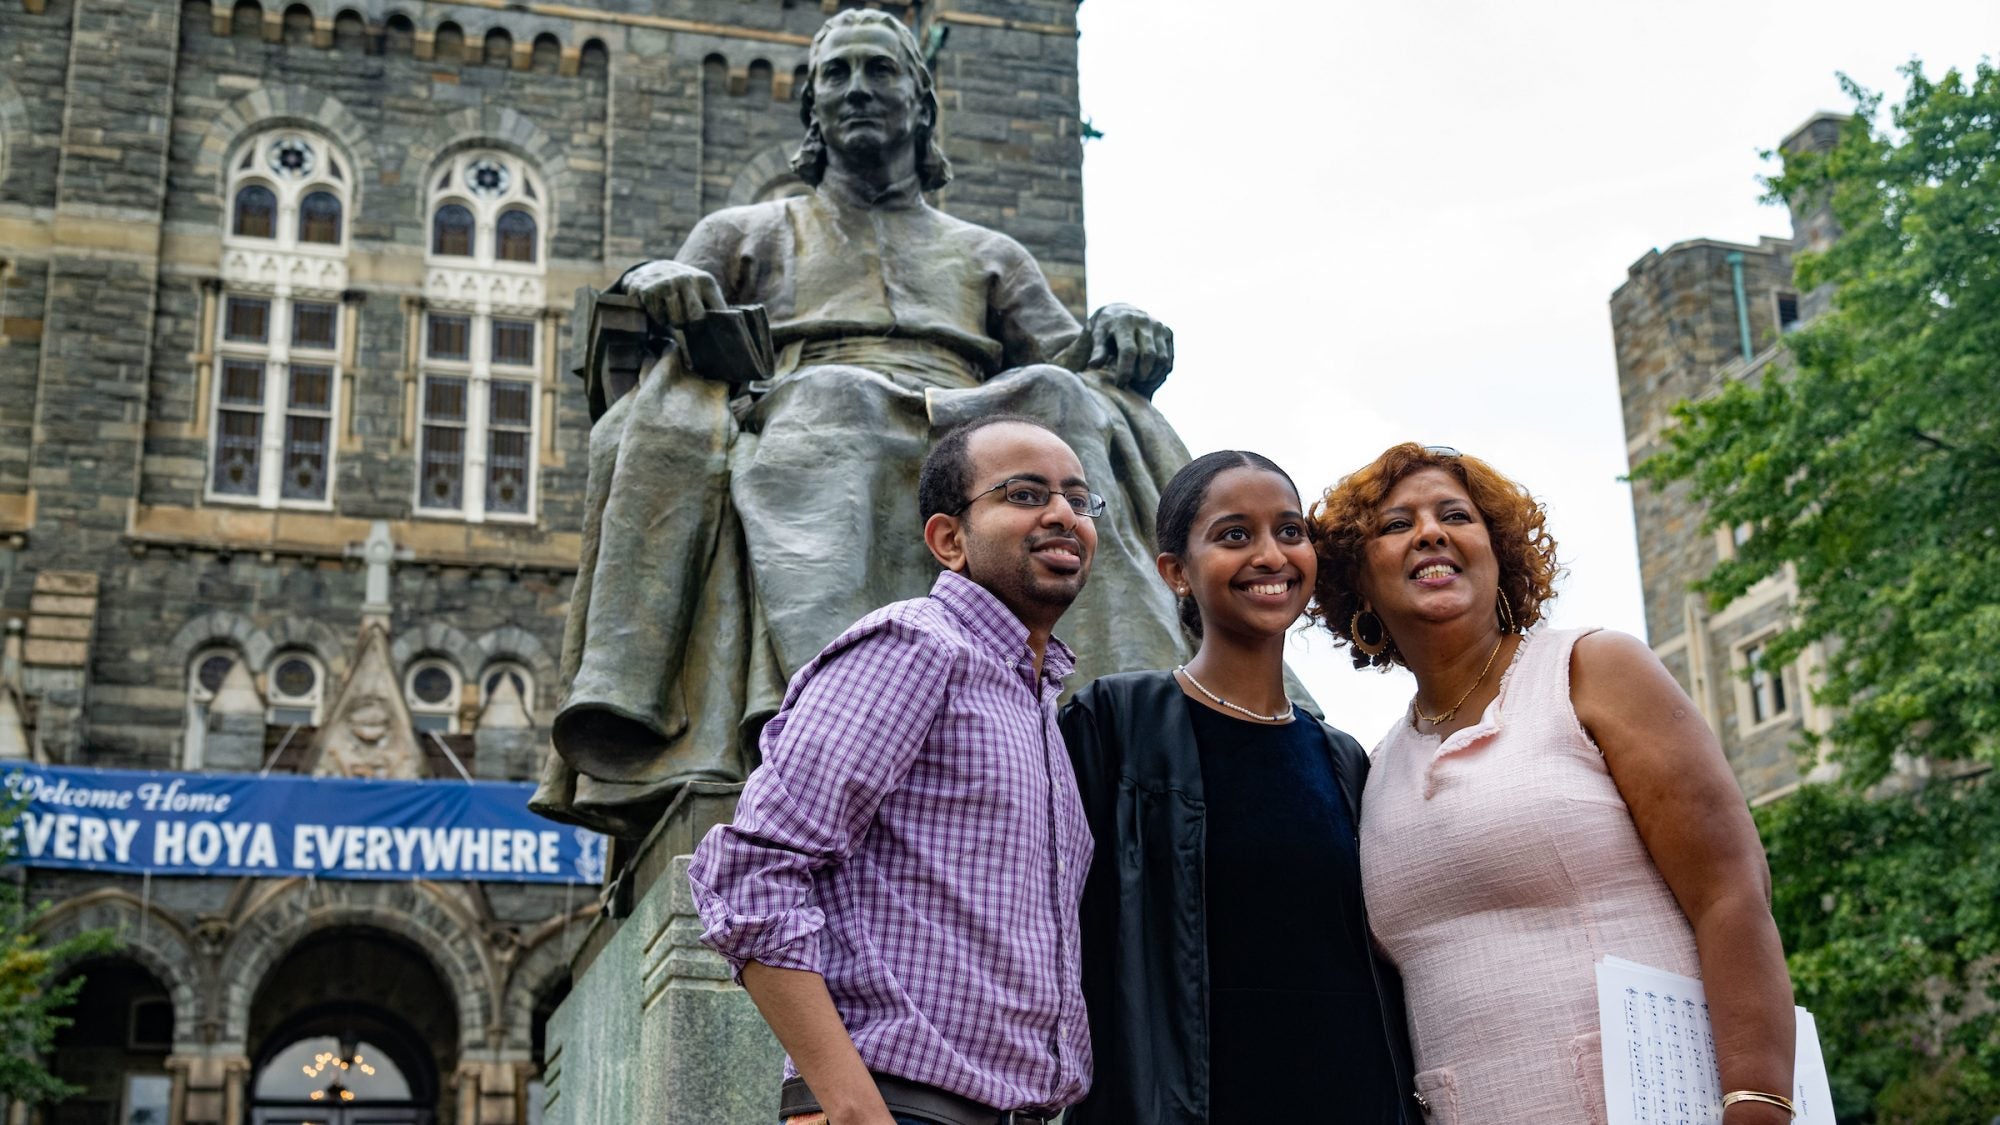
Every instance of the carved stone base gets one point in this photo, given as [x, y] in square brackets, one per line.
[653, 1028]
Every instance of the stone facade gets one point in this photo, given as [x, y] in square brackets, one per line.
[129, 130]
[1686, 320]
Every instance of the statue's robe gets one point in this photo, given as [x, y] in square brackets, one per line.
[723, 550]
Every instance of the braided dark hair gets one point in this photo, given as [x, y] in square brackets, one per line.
[1181, 501]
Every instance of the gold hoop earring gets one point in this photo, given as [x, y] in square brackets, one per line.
[1506, 615]
[1367, 634]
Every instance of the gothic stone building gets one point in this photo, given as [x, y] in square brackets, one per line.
[282, 287]
[1687, 319]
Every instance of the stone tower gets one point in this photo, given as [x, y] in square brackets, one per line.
[284, 301]
[1686, 320]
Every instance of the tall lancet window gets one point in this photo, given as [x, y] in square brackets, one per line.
[279, 323]
[483, 340]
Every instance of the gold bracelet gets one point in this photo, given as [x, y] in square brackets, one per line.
[1734, 1096]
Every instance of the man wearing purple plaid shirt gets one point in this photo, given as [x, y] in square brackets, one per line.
[898, 891]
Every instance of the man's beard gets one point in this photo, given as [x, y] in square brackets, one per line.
[1018, 584]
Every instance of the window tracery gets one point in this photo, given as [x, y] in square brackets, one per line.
[482, 340]
[277, 348]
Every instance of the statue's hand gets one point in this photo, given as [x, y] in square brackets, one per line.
[674, 294]
[1136, 349]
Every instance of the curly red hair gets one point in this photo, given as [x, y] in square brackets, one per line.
[1344, 520]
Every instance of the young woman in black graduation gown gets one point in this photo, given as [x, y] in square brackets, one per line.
[1226, 958]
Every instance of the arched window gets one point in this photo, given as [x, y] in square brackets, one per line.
[451, 231]
[279, 338]
[256, 212]
[325, 1069]
[514, 235]
[547, 56]
[431, 689]
[206, 672]
[399, 35]
[246, 19]
[448, 45]
[595, 60]
[499, 47]
[511, 673]
[118, 1036]
[350, 32]
[297, 687]
[483, 354]
[319, 218]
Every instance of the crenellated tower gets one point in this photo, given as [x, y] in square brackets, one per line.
[1688, 319]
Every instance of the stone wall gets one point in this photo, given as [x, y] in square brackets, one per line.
[1676, 327]
[34, 61]
[1764, 754]
[118, 122]
[1679, 336]
[23, 297]
[640, 122]
[1008, 81]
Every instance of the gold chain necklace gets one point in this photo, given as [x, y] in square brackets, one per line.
[1445, 716]
[1283, 717]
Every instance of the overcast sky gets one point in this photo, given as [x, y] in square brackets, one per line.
[1402, 220]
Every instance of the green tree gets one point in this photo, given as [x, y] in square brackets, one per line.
[31, 998]
[1870, 461]
[1891, 907]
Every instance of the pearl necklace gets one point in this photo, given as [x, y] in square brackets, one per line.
[1284, 716]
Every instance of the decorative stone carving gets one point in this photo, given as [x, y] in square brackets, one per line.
[498, 290]
[211, 934]
[367, 732]
[264, 270]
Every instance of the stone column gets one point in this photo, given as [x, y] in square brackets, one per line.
[177, 1072]
[654, 1029]
[208, 1089]
[235, 1090]
[103, 278]
[489, 1092]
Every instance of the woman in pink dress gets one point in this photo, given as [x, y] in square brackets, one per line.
[1551, 798]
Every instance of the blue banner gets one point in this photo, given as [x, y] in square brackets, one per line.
[331, 828]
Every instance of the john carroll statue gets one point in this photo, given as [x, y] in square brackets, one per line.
[731, 535]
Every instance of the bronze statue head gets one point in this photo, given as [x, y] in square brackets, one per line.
[933, 169]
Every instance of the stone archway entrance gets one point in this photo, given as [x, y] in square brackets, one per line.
[115, 1049]
[344, 1068]
[352, 1027]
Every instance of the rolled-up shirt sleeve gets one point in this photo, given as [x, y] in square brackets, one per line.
[852, 723]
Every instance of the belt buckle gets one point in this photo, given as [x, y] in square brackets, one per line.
[1021, 1117]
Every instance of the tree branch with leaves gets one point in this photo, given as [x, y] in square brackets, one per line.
[32, 999]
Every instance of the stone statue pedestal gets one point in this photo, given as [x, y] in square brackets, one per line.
[654, 1029]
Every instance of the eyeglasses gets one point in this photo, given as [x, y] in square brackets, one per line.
[1034, 494]
[1442, 451]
